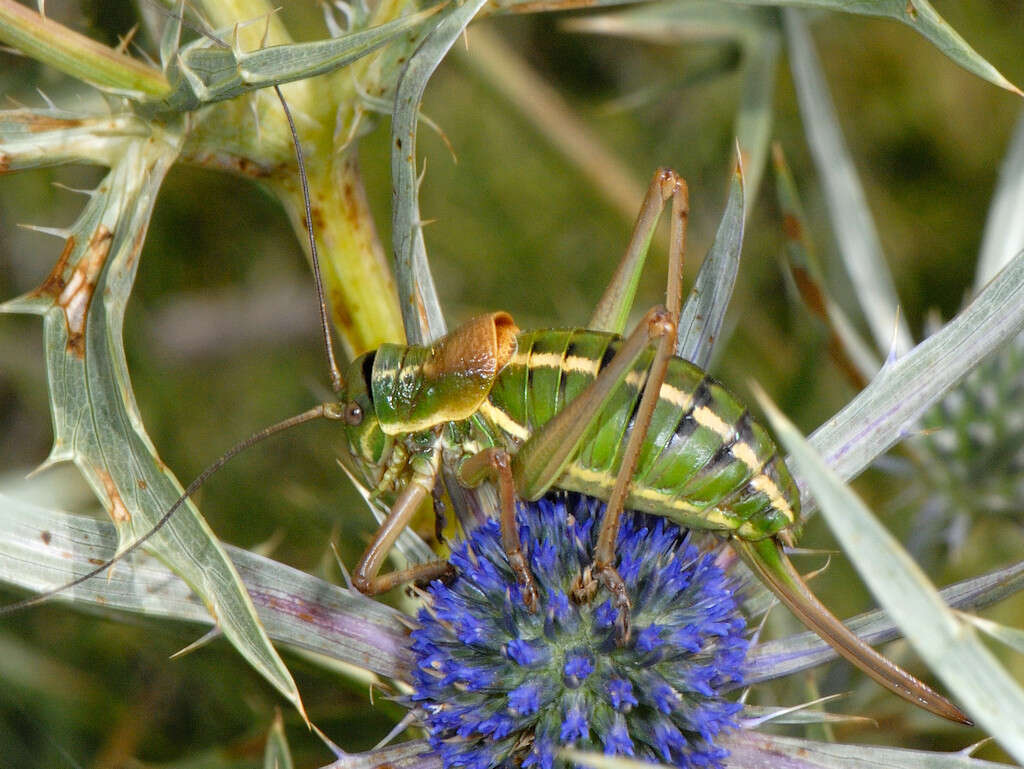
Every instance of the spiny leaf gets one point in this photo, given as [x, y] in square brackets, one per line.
[701, 319]
[754, 118]
[77, 55]
[851, 218]
[852, 353]
[920, 16]
[883, 412]
[414, 754]
[277, 755]
[1004, 229]
[1011, 636]
[785, 656]
[295, 608]
[749, 749]
[421, 308]
[952, 650]
[37, 138]
[96, 420]
[204, 73]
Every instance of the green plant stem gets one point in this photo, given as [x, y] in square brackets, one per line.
[357, 278]
[77, 55]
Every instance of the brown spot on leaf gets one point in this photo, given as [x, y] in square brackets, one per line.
[76, 296]
[545, 6]
[340, 313]
[236, 164]
[791, 226]
[118, 512]
[810, 291]
[54, 282]
[249, 167]
[5, 162]
[911, 10]
[318, 217]
[47, 537]
[142, 484]
[37, 123]
[97, 561]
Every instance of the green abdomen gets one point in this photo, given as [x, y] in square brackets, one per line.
[705, 464]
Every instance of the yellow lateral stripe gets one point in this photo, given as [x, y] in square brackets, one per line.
[676, 397]
[767, 486]
[577, 364]
[745, 453]
[573, 363]
[606, 481]
[503, 421]
[707, 418]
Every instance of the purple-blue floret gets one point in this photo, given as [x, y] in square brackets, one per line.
[499, 687]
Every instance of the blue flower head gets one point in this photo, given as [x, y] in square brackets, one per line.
[501, 687]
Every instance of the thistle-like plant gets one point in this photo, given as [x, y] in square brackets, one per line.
[293, 607]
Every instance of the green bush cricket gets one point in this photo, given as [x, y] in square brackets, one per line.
[585, 410]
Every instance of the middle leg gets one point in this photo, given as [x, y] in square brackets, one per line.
[604, 553]
[496, 464]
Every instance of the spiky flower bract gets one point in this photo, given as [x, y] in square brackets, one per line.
[974, 441]
[501, 687]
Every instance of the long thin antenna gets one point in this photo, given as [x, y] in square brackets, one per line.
[324, 410]
[337, 383]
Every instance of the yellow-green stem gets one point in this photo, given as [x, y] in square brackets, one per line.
[77, 55]
[357, 279]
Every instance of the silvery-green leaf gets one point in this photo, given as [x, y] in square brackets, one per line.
[851, 218]
[46, 40]
[41, 549]
[917, 14]
[882, 413]
[414, 754]
[38, 138]
[421, 308]
[96, 421]
[675, 21]
[781, 657]
[204, 73]
[753, 750]
[602, 761]
[700, 322]
[1011, 636]
[1004, 229]
[756, 715]
[754, 118]
[277, 755]
[951, 648]
[806, 272]
[170, 37]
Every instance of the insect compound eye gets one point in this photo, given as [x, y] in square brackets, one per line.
[353, 413]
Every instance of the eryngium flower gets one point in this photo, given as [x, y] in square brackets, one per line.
[501, 687]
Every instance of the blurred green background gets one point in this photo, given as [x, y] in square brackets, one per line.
[222, 336]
